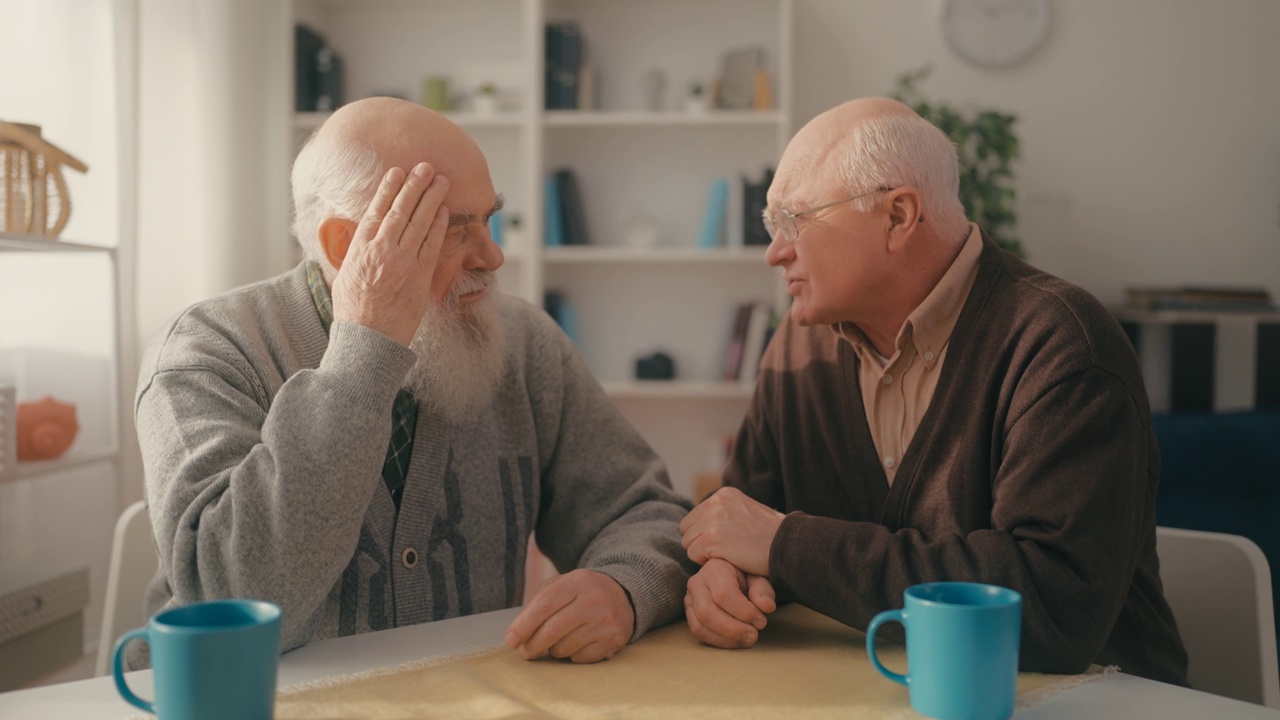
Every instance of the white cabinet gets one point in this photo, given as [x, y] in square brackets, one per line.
[59, 336]
[635, 164]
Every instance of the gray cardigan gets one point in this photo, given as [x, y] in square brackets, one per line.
[263, 441]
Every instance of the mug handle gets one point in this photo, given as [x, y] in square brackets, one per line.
[117, 670]
[884, 617]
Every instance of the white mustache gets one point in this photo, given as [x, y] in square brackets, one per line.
[472, 282]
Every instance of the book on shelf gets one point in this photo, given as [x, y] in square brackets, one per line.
[712, 232]
[754, 201]
[553, 213]
[575, 221]
[562, 312]
[747, 339]
[1201, 297]
[318, 72]
[757, 330]
[564, 57]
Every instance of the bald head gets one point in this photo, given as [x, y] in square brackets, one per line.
[401, 134]
[337, 171]
[868, 143]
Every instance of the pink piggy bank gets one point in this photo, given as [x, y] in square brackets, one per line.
[46, 428]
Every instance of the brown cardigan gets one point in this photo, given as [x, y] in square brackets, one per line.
[1034, 468]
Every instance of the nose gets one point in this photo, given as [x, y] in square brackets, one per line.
[779, 252]
[486, 255]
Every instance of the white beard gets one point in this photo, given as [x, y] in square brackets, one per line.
[460, 353]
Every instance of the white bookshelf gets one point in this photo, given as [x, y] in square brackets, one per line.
[34, 351]
[632, 163]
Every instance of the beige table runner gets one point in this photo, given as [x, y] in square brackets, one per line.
[804, 666]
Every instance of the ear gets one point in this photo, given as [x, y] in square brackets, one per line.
[335, 240]
[905, 213]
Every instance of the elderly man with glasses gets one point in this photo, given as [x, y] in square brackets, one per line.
[932, 409]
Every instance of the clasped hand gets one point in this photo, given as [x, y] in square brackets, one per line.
[727, 601]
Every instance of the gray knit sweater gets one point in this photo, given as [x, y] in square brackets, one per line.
[263, 441]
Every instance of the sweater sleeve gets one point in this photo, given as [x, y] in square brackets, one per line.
[256, 497]
[607, 504]
[1066, 528]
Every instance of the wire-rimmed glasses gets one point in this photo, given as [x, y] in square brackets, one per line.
[782, 224]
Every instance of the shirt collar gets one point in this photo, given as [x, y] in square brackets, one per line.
[933, 319]
[929, 326]
[320, 294]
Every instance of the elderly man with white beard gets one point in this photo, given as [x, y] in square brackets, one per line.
[369, 439]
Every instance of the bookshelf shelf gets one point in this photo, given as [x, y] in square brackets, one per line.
[307, 121]
[620, 119]
[39, 243]
[639, 256]
[668, 389]
[32, 469]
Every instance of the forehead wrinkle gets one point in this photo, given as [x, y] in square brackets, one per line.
[798, 166]
[465, 217]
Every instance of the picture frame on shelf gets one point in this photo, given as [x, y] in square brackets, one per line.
[737, 87]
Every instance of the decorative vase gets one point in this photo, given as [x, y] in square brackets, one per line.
[46, 428]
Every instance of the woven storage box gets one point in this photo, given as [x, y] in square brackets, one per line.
[41, 620]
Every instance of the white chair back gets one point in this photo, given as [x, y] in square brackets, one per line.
[133, 564]
[1219, 587]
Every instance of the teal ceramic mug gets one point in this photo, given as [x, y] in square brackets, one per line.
[211, 660]
[962, 649]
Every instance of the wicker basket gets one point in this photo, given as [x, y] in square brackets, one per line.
[33, 192]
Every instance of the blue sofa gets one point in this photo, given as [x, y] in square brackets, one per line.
[1221, 472]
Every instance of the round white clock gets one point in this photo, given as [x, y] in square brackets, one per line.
[995, 33]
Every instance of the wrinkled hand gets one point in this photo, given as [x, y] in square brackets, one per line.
[731, 526]
[726, 607]
[582, 615]
[384, 281]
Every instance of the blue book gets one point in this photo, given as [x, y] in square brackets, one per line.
[553, 213]
[495, 227]
[568, 321]
[575, 221]
[713, 217]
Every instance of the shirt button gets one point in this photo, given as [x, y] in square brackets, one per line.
[888, 462]
[888, 379]
[409, 557]
[928, 355]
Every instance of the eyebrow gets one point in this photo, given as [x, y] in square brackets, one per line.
[466, 218]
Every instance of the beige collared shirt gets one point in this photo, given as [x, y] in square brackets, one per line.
[896, 391]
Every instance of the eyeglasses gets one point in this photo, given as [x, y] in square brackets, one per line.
[782, 225]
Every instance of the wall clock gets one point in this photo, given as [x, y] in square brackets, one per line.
[995, 33]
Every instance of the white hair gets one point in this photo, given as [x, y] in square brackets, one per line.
[332, 178]
[893, 150]
[460, 352]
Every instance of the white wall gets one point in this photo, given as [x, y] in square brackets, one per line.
[205, 152]
[1150, 129]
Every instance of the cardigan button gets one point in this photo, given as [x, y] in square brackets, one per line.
[409, 557]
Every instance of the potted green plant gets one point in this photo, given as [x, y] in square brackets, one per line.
[987, 145]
